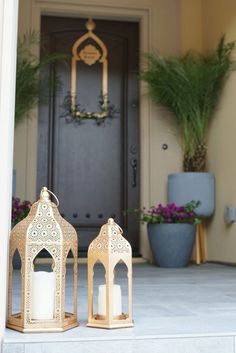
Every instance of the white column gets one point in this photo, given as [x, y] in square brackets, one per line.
[8, 44]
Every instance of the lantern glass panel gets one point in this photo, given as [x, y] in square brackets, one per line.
[99, 279]
[16, 283]
[121, 279]
[43, 276]
[69, 283]
[43, 261]
[16, 261]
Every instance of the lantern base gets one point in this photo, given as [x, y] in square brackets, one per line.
[42, 326]
[100, 321]
[42, 330]
[109, 326]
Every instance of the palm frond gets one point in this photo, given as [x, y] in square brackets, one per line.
[31, 84]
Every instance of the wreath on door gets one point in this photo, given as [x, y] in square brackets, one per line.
[89, 49]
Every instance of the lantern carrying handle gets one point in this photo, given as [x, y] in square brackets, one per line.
[112, 222]
[57, 205]
[120, 229]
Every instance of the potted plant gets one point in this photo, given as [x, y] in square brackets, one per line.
[190, 86]
[171, 232]
[31, 83]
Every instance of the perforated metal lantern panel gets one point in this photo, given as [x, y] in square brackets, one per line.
[109, 247]
[43, 228]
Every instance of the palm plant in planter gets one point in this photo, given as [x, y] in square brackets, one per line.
[31, 84]
[190, 86]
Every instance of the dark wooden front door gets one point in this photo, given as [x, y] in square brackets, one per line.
[93, 169]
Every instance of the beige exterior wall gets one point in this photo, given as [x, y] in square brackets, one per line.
[220, 17]
[169, 26]
[160, 30]
[191, 25]
[202, 24]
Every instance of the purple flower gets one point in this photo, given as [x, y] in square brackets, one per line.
[171, 213]
[19, 209]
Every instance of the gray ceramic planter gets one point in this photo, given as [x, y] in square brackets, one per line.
[185, 187]
[171, 244]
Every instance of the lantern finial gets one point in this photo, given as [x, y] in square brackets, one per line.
[90, 24]
[44, 194]
[111, 221]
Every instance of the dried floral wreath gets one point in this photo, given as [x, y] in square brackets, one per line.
[76, 113]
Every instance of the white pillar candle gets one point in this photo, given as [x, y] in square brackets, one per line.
[117, 301]
[43, 295]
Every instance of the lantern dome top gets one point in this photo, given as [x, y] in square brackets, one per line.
[44, 223]
[110, 240]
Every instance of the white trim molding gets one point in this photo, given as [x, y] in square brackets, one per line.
[8, 45]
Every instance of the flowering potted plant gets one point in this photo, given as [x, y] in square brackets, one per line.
[19, 210]
[171, 232]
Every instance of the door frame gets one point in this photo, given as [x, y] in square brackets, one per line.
[138, 13]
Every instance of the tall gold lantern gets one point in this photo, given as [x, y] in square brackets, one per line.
[43, 229]
[109, 248]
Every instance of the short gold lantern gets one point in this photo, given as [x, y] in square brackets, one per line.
[109, 248]
[42, 307]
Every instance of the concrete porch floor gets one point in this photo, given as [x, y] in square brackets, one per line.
[189, 310]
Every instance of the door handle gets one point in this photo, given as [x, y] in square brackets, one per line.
[133, 164]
